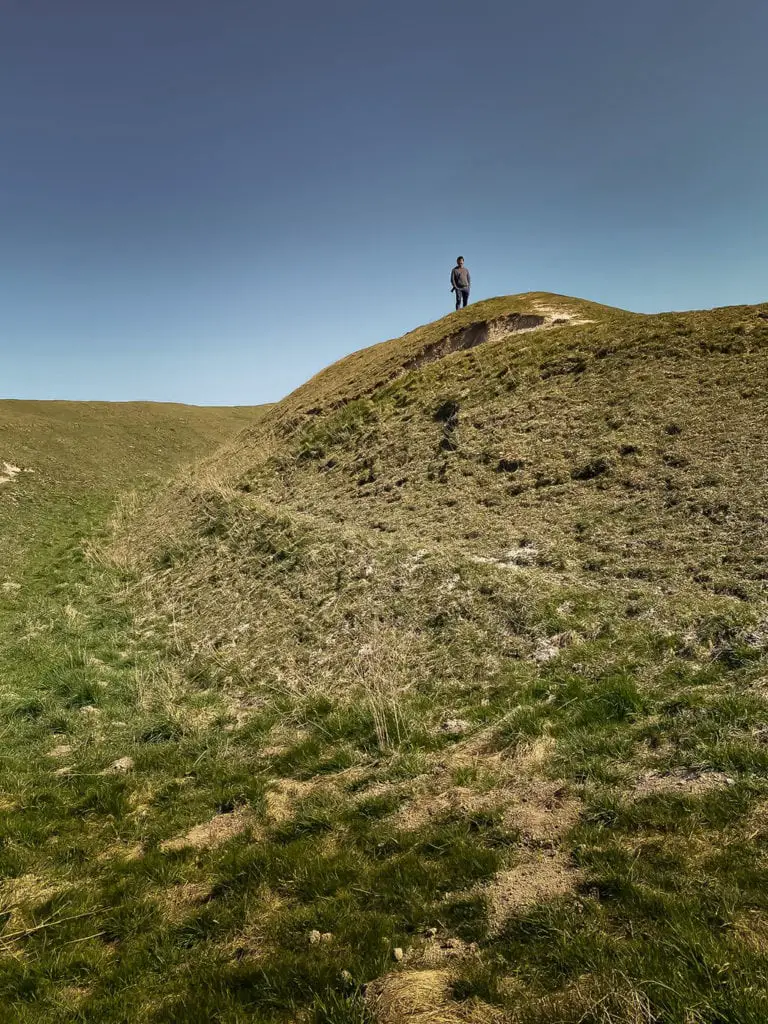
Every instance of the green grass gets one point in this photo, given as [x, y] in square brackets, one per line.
[414, 631]
[109, 928]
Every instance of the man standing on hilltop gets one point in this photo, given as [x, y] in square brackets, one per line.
[460, 282]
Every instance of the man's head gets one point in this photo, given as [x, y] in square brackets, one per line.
[460, 261]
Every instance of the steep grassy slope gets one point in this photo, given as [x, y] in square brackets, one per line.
[625, 453]
[439, 695]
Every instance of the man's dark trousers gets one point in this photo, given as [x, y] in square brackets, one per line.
[462, 297]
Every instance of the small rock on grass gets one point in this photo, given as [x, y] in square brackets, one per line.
[316, 936]
[398, 954]
[454, 726]
[122, 764]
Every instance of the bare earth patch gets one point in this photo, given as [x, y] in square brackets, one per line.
[283, 796]
[682, 781]
[556, 317]
[212, 833]
[122, 851]
[439, 951]
[427, 806]
[178, 901]
[535, 881]
[25, 893]
[550, 647]
[62, 750]
[542, 809]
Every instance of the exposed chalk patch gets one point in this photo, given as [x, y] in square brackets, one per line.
[8, 472]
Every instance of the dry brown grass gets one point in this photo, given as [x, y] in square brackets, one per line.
[209, 834]
[282, 797]
[423, 990]
[541, 808]
[60, 750]
[178, 902]
[424, 997]
[751, 928]
[368, 369]
[21, 896]
[589, 999]
[122, 852]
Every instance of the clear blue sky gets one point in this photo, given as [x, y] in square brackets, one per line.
[209, 201]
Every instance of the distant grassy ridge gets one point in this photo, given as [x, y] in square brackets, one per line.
[82, 453]
[76, 444]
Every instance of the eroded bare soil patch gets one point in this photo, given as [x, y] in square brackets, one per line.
[212, 833]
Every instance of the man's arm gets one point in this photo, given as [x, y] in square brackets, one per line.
[469, 279]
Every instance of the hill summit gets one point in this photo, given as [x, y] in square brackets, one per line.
[538, 441]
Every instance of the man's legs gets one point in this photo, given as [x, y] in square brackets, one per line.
[464, 297]
[458, 297]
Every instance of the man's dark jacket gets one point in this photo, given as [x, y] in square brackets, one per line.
[460, 279]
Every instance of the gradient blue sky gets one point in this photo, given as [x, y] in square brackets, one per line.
[208, 202]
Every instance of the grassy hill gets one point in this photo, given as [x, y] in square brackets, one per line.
[73, 456]
[98, 444]
[436, 694]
